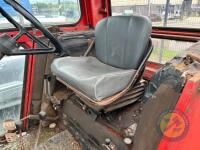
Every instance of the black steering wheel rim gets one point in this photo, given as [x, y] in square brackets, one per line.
[27, 15]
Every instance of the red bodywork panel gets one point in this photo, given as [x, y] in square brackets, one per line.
[150, 69]
[189, 103]
[92, 12]
[29, 85]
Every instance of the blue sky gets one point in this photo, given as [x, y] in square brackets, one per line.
[51, 1]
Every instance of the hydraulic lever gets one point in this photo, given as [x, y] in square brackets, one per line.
[47, 89]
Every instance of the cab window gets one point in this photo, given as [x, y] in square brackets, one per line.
[49, 12]
[163, 13]
[170, 13]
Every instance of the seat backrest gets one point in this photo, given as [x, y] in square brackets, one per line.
[121, 41]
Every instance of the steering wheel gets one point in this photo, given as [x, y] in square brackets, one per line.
[8, 44]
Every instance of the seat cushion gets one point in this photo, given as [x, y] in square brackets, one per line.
[92, 77]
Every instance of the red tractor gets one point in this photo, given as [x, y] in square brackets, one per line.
[92, 73]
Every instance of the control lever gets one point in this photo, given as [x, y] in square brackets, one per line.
[47, 88]
[42, 116]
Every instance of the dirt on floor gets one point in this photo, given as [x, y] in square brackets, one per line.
[49, 139]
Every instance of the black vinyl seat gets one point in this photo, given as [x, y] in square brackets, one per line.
[122, 44]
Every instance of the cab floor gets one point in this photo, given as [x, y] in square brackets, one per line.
[50, 139]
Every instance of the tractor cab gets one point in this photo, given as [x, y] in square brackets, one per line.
[99, 75]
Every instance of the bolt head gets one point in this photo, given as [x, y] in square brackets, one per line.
[107, 141]
[128, 141]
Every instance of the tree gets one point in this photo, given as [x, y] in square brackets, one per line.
[186, 8]
[59, 8]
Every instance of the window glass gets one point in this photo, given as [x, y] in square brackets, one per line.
[11, 87]
[165, 50]
[171, 13]
[49, 12]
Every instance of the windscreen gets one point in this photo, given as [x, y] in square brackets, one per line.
[48, 12]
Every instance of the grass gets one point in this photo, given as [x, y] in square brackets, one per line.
[166, 56]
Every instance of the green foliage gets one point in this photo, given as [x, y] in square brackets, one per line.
[166, 56]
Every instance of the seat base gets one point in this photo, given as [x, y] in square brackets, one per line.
[134, 94]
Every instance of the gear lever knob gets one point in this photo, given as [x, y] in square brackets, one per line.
[42, 115]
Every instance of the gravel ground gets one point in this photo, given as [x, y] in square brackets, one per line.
[50, 139]
[61, 141]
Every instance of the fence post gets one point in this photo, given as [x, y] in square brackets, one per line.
[164, 24]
